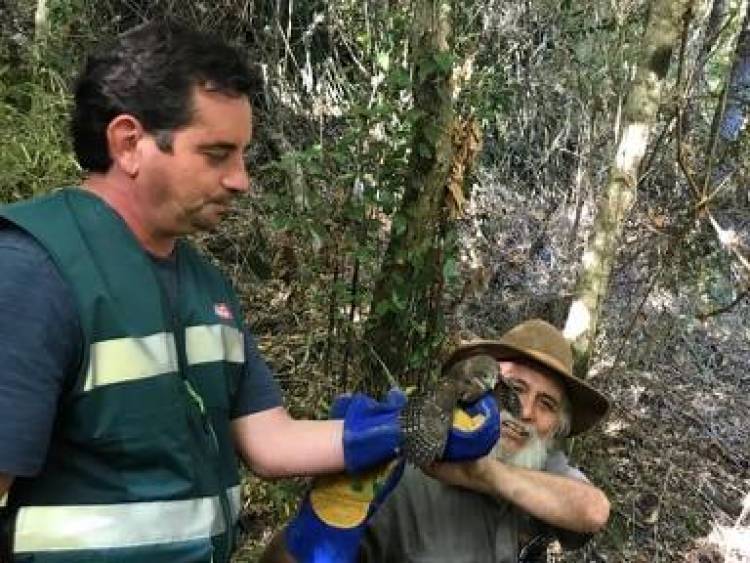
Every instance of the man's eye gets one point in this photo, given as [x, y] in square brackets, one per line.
[549, 406]
[216, 157]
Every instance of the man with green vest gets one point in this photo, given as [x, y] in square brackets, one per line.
[129, 385]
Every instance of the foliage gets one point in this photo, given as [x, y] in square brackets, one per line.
[34, 155]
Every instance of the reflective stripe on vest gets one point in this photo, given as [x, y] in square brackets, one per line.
[214, 343]
[107, 526]
[128, 359]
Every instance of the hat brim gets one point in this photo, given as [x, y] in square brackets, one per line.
[587, 405]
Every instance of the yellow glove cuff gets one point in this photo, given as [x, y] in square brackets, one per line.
[343, 500]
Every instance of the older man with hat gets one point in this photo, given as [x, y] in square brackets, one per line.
[507, 506]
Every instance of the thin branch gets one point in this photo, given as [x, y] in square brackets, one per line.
[357, 63]
[707, 53]
[672, 246]
[353, 293]
[724, 309]
[391, 380]
[681, 97]
[328, 361]
[287, 48]
[714, 139]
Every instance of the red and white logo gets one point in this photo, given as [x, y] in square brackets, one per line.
[223, 311]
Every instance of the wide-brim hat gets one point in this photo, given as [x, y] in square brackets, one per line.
[539, 342]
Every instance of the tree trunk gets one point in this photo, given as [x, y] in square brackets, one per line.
[41, 21]
[692, 114]
[719, 10]
[660, 36]
[402, 326]
[731, 121]
[738, 95]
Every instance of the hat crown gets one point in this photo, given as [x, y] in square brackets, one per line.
[541, 341]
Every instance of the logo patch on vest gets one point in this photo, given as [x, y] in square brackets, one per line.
[223, 311]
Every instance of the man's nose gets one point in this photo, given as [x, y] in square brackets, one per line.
[527, 408]
[238, 180]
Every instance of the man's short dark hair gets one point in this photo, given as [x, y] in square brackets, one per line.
[150, 72]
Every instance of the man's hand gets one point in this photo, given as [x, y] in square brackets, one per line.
[474, 475]
[374, 432]
[372, 429]
[474, 430]
[334, 513]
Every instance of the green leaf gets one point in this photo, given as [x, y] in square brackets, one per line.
[384, 60]
[382, 307]
[432, 133]
[424, 150]
[398, 302]
[443, 61]
[363, 254]
[450, 269]
[399, 224]
[399, 79]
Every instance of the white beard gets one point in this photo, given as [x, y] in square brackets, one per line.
[533, 454]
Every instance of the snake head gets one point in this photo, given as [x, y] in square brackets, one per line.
[507, 398]
[473, 377]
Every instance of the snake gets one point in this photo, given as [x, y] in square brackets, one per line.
[427, 418]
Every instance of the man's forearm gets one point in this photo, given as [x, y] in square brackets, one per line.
[561, 501]
[275, 445]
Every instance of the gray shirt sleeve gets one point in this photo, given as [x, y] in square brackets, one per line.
[41, 341]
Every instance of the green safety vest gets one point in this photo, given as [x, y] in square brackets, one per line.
[141, 466]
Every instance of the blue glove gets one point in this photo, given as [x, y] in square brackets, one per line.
[372, 431]
[333, 516]
[475, 430]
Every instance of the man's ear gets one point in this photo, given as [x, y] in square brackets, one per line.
[123, 134]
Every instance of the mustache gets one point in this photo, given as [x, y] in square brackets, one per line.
[532, 455]
[226, 201]
[229, 203]
[519, 427]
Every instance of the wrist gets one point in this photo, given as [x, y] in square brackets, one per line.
[493, 473]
